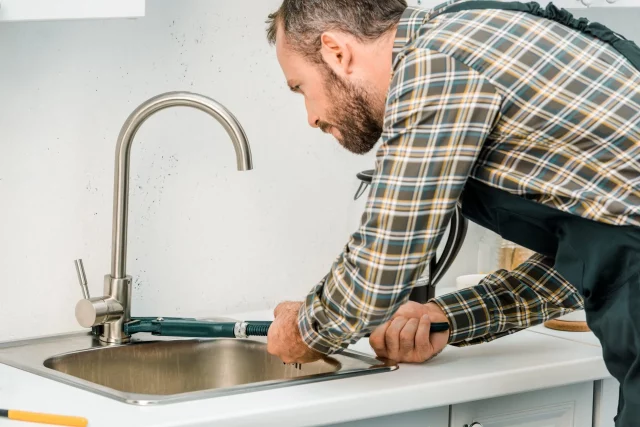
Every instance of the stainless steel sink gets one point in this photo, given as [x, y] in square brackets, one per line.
[144, 369]
[156, 370]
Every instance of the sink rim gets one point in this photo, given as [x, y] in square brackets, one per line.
[84, 342]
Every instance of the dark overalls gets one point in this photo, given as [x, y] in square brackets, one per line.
[602, 261]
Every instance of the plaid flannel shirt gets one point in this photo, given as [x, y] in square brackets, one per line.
[518, 102]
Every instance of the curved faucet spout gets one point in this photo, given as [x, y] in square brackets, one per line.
[123, 151]
[108, 314]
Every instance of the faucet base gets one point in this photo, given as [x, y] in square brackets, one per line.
[119, 290]
[108, 337]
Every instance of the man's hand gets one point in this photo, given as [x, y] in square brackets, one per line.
[406, 337]
[284, 338]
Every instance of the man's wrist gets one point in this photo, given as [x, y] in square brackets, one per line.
[436, 313]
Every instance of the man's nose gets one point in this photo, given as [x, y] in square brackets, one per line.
[313, 120]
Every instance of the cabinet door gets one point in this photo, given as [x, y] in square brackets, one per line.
[436, 417]
[45, 10]
[605, 398]
[568, 406]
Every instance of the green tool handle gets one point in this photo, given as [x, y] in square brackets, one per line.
[185, 327]
[435, 327]
[176, 327]
[197, 329]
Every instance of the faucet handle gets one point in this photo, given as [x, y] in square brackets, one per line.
[82, 278]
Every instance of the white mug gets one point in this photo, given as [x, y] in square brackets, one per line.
[575, 316]
[468, 280]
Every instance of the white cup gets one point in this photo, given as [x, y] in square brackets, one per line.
[468, 280]
[575, 316]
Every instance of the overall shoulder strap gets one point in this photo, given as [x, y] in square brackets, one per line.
[626, 48]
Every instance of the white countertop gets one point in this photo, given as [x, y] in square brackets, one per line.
[533, 359]
[580, 337]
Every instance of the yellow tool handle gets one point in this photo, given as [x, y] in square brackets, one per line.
[59, 420]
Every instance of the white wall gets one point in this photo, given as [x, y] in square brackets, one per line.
[204, 238]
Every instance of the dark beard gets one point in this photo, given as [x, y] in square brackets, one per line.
[353, 114]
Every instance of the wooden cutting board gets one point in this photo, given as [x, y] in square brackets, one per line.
[567, 325]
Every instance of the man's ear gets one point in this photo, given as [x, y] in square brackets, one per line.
[336, 52]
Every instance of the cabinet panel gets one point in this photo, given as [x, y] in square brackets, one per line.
[606, 402]
[568, 406]
[436, 417]
[43, 10]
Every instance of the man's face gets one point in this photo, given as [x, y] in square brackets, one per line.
[350, 111]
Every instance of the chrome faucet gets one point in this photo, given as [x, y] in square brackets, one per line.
[108, 314]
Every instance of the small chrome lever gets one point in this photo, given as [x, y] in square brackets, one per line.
[82, 278]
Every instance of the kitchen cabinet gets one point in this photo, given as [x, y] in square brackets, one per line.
[605, 399]
[566, 4]
[45, 10]
[436, 417]
[567, 406]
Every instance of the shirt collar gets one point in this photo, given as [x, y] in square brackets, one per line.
[410, 22]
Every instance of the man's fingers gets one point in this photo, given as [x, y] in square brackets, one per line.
[376, 340]
[284, 307]
[423, 344]
[408, 337]
[277, 310]
[272, 338]
[283, 337]
[311, 357]
[411, 309]
[392, 337]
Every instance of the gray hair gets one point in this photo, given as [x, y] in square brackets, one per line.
[304, 21]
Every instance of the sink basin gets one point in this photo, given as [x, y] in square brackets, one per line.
[172, 367]
[156, 370]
